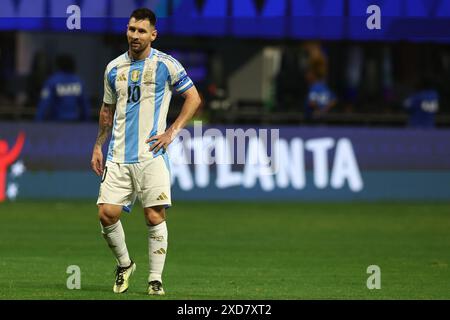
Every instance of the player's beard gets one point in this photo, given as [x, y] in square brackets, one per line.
[136, 49]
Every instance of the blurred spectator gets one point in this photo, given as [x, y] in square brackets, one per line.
[320, 99]
[423, 104]
[316, 56]
[63, 97]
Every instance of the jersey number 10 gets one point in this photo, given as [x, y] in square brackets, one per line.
[134, 94]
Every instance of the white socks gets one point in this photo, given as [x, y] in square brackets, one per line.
[115, 237]
[157, 248]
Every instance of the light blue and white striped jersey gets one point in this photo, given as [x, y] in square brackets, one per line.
[141, 90]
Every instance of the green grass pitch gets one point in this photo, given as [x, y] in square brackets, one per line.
[233, 251]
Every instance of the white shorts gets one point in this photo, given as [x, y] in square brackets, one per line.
[149, 181]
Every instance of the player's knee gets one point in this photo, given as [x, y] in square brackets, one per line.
[107, 220]
[155, 215]
[107, 217]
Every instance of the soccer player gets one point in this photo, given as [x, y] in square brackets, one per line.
[320, 98]
[137, 92]
[423, 105]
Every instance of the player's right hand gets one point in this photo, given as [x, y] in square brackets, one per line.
[97, 161]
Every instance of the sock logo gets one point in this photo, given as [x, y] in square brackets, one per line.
[157, 238]
[162, 196]
[160, 251]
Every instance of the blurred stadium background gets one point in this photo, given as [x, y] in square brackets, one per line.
[366, 182]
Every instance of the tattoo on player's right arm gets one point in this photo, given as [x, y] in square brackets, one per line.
[105, 123]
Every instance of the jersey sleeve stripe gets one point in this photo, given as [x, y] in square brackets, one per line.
[186, 86]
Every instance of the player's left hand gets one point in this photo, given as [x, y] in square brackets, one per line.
[160, 141]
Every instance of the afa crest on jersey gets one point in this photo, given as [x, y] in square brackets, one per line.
[135, 75]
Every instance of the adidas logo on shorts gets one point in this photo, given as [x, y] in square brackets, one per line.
[162, 196]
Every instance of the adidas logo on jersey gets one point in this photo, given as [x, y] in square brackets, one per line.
[162, 196]
[122, 77]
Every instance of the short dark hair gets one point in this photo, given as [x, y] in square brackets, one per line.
[144, 13]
